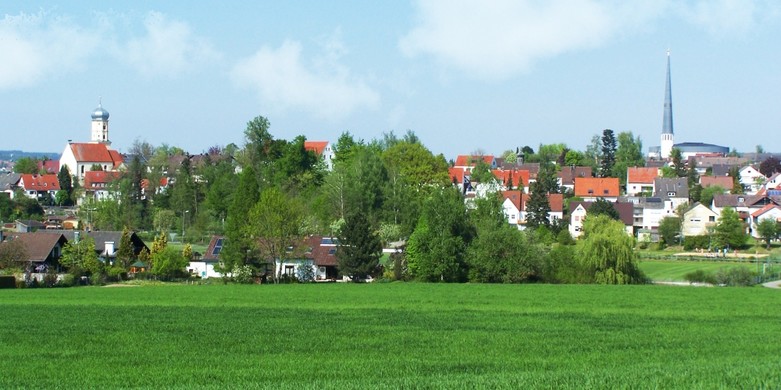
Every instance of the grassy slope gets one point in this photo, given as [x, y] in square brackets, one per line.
[390, 335]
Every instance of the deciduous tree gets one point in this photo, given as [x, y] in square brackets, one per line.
[768, 230]
[607, 252]
[275, 221]
[730, 230]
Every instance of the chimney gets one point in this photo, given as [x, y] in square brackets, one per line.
[109, 248]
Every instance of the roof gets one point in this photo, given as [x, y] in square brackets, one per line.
[724, 182]
[316, 146]
[765, 209]
[625, 210]
[556, 202]
[39, 245]
[667, 188]
[520, 177]
[568, 174]
[99, 179]
[50, 166]
[101, 238]
[95, 152]
[456, 173]
[643, 175]
[469, 161]
[515, 196]
[214, 249]
[596, 187]
[741, 200]
[48, 182]
[9, 180]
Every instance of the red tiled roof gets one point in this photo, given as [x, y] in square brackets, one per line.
[514, 196]
[316, 146]
[596, 186]
[50, 166]
[47, 182]
[470, 161]
[99, 179]
[642, 175]
[724, 182]
[116, 157]
[765, 209]
[555, 201]
[520, 177]
[457, 173]
[94, 152]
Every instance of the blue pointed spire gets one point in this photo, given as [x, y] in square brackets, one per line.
[667, 124]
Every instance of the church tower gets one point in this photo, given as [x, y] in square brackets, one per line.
[667, 142]
[100, 125]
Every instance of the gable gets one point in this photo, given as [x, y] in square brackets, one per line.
[642, 175]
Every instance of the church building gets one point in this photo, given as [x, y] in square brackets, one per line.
[667, 141]
[96, 154]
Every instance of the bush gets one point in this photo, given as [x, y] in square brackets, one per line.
[244, 274]
[49, 280]
[694, 242]
[67, 280]
[735, 276]
[7, 281]
[700, 276]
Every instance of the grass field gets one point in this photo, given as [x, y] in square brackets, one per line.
[391, 335]
[674, 271]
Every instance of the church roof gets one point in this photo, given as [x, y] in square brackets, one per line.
[95, 152]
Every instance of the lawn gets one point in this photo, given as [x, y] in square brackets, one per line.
[394, 335]
[674, 271]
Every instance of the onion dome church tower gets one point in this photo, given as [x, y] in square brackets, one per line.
[100, 125]
[666, 145]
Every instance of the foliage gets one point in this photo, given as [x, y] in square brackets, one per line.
[359, 247]
[770, 166]
[435, 251]
[125, 255]
[670, 230]
[678, 164]
[735, 277]
[730, 232]
[607, 252]
[696, 242]
[13, 254]
[164, 220]
[27, 165]
[243, 274]
[608, 154]
[603, 207]
[80, 257]
[239, 242]
[66, 186]
[628, 154]
[275, 222]
[538, 207]
[707, 194]
[768, 230]
[168, 263]
[737, 186]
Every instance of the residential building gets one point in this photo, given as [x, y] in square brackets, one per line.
[770, 211]
[640, 180]
[578, 212]
[592, 188]
[675, 190]
[39, 186]
[324, 150]
[699, 220]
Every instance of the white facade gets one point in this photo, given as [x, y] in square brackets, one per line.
[773, 214]
[698, 221]
[513, 215]
[204, 269]
[666, 145]
[652, 216]
[751, 179]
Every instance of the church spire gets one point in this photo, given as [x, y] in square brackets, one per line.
[667, 124]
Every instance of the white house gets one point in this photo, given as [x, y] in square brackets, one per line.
[640, 180]
[579, 212]
[698, 220]
[82, 157]
[37, 186]
[324, 150]
[770, 211]
[751, 179]
[511, 205]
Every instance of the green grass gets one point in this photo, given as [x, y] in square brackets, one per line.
[674, 271]
[390, 336]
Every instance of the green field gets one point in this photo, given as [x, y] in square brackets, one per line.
[674, 271]
[391, 335]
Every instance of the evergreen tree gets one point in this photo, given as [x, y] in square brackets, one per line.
[603, 207]
[66, 185]
[125, 253]
[359, 247]
[238, 245]
[538, 207]
[608, 153]
[679, 165]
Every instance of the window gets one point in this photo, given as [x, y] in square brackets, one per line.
[671, 193]
[712, 218]
[332, 251]
[605, 192]
[290, 270]
[590, 191]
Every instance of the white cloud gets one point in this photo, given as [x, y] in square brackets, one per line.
[283, 81]
[37, 47]
[168, 48]
[727, 17]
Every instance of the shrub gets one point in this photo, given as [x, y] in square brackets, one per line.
[694, 242]
[7, 281]
[67, 280]
[735, 276]
[700, 276]
[243, 274]
[49, 280]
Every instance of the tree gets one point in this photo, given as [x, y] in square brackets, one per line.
[768, 230]
[435, 251]
[770, 166]
[628, 154]
[730, 231]
[359, 247]
[678, 164]
[238, 242]
[608, 153]
[26, 165]
[538, 207]
[80, 257]
[670, 229]
[275, 220]
[607, 253]
[603, 207]
[168, 263]
[13, 254]
[125, 255]
[707, 193]
[66, 185]
[737, 186]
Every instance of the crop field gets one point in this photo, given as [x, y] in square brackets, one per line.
[391, 335]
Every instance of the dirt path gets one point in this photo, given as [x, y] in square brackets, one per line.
[773, 284]
[732, 255]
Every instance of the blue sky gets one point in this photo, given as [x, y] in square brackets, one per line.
[464, 75]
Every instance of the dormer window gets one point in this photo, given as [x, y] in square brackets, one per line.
[591, 192]
[605, 192]
[671, 193]
[741, 199]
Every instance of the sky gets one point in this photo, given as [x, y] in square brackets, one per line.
[465, 76]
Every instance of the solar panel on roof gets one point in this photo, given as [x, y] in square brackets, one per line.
[217, 247]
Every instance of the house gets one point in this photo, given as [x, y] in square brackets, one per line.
[567, 176]
[81, 158]
[204, 267]
[467, 162]
[675, 190]
[106, 242]
[162, 186]
[592, 188]
[9, 182]
[461, 178]
[512, 207]
[745, 205]
[97, 184]
[515, 178]
[640, 180]
[770, 211]
[556, 203]
[39, 186]
[324, 150]
[579, 210]
[724, 182]
[43, 249]
[774, 182]
[28, 225]
[699, 220]
[653, 210]
[49, 166]
[751, 179]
